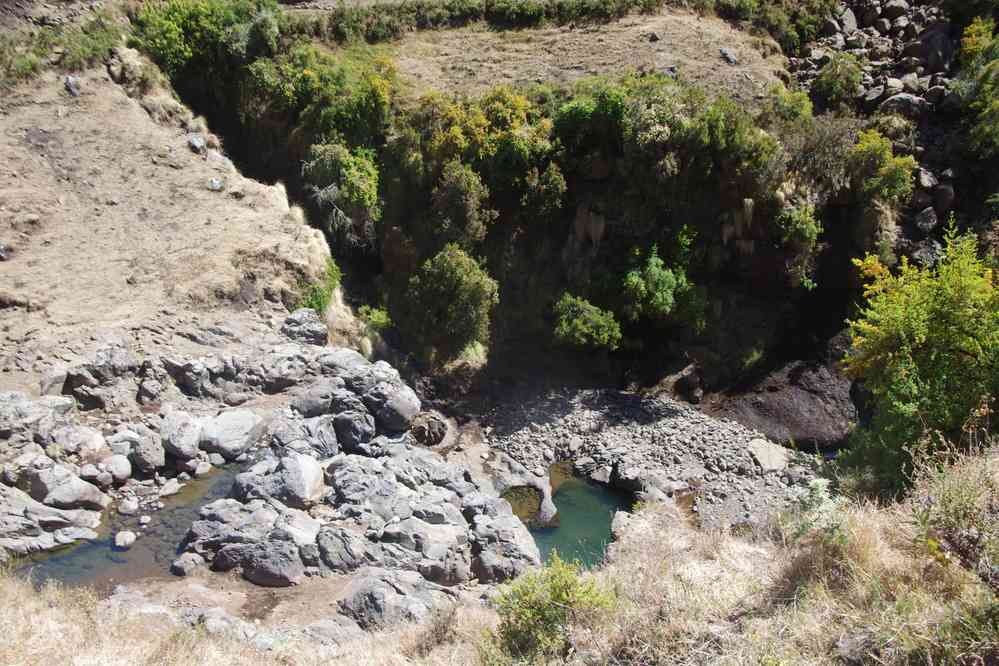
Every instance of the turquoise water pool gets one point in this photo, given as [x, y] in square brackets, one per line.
[583, 530]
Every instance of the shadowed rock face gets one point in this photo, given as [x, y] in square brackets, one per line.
[807, 405]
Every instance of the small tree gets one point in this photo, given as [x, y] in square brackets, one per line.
[447, 304]
[579, 323]
[926, 345]
[460, 206]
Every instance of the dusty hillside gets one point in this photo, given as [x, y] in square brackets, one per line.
[110, 219]
[476, 58]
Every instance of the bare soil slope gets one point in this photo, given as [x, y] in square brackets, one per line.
[110, 219]
[478, 57]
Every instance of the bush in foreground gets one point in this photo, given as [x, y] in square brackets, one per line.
[580, 324]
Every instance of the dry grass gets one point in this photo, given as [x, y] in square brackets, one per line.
[868, 585]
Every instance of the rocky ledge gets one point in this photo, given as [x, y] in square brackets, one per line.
[336, 482]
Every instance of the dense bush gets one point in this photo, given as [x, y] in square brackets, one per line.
[545, 192]
[926, 345]
[447, 304]
[194, 35]
[537, 609]
[877, 172]
[344, 186]
[980, 81]
[580, 324]
[838, 81]
[460, 206]
[649, 289]
[786, 106]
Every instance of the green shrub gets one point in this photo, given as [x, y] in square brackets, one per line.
[24, 54]
[578, 323]
[374, 318]
[460, 206]
[545, 192]
[648, 291]
[926, 345]
[737, 10]
[877, 172]
[537, 609]
[838, 81]
[976, 39]
[317, 295]
[195, 34]
[447, 305]
[515, 13]
[787, 106]
[344, 185]
[594, 121]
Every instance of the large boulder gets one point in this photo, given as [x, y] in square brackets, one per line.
[228, 434]
[145, 449]
[302, 480]
[58, 486]
[805, 404]
[399, 409]
[378, 598]
[181, 434]
[28, 526]
[354, 429]
[273, 564]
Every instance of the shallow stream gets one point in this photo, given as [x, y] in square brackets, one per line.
[100, 565]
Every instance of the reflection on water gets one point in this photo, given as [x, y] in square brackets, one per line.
[98, 564]
[583, 525]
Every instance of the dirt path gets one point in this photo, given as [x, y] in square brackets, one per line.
[478, 57]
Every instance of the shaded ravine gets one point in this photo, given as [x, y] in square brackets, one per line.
[101, 566]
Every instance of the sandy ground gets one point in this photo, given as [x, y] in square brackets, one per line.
[475, 58]
[111, 223]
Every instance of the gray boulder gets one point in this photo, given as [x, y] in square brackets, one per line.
[399, 410]
[228, 433]
[906, 104]
[180, 433]
[119, 467]
[379, 598]
[354, 430]
[146, 451]
[273, 564]
[305, 325]
[187, 564]
[28, 526]
[302, 480]
[59, 487]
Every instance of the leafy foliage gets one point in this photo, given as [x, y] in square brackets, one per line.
[649, 291]
[317, 295]
[838, 81]
[877, 172]
[460, 205]
[926, 345]
[447, 304]
[344, 184]
[537, 608]
[579, 323]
